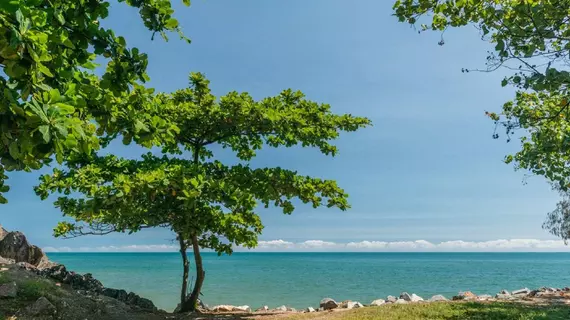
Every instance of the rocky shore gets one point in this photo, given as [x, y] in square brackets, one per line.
[544, 295]
[26, 272]
[32, 287]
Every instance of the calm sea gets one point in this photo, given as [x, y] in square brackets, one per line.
[302, 279]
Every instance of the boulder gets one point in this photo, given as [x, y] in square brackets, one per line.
[8, 290]
[521, 291]
[14, 245]
[504, 292]
[410, 297]
[377, 302]
[401, 301]
[282, 309]
[437, 297]
[6, 261]
[320, 309]
[354, 305]
[242, 308]
[391, 299]
[328, 304]
[467, 295]
[291, 310]
[87, 282]
[485, 297]
[3, 232]
[502, 296]
[223, 308]
[310, 309]
[264, 308]
[42, 307]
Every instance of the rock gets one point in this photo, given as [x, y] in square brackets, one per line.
[502, 296]
[282, 308]
[242, 308]
[521, 291]
[328, 304]
[391, 299]
[437, 297]
[354, 305]
[310, 309]
[14, 245]
[8, 290]
[87, 282]
[42, 307]
[344, 304]
[291, 310]
[566, 289]
[505, 292]
[401, 301]
[223, 308]
[406, 296]
[4, 269]
[264, 308]
[410, 298]
[485, 297]
[6, 261]
[3, 232]
[467, 295]
[377, 302]
[321, 309]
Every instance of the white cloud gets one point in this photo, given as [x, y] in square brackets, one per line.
[501, 245]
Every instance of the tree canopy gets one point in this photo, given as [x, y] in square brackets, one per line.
[205, 202]
[49, 92]
[531, 38]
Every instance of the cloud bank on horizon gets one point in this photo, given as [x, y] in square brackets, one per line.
[501, 245]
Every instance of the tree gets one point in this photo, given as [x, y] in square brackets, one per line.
[532, 39]
[205, 202]
[49, 94]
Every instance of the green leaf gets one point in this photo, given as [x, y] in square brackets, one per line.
[186, 2]
[9, 6]
[44, 130]
[43, 69]
[171, 23]
[14, 150]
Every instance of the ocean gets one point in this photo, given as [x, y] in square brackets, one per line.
[300, 280]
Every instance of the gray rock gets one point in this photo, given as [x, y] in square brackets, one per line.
[321, 309]
[264, 308]
[437, 297]
[401, 301]
[521, 291]
[42, 307]
[504, 292]
[328, 304]
[15, 246]
[3, 233]
[282, 308]
[310, 309]
[6, 261]
[354, 305]
[502, 296]
[377, 302]
[8, 290]
[485, 297]
[242, 308]
[291, 310]
[410, 297]
[391, 299]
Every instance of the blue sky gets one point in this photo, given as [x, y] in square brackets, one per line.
[427, 170]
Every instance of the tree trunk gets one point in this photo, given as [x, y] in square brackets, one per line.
[192, 302]
[186, 264]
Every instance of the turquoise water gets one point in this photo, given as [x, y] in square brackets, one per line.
[302, 279]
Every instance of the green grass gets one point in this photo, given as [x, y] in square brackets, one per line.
[33, 289]
[449, 311]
